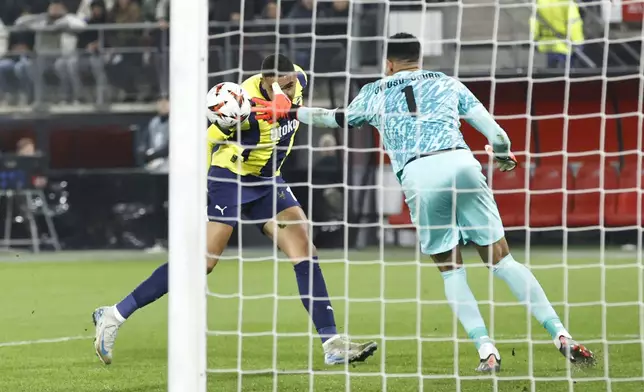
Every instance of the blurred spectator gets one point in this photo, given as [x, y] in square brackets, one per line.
[27, 148]
[85, 8]
[337, 9]
[555, 21]
[340, 8]
[89, 55]
[123, 68]
[156, 140]
[157, 11]
[303, 10]
[4, 39]
[15, 66]
[270, 10]
[327, 157]
[54, 46]
[10, 10]
[230, 10]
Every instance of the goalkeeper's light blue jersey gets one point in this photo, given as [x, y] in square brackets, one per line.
[415, 112]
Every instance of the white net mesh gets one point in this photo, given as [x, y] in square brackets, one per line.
[572, 210]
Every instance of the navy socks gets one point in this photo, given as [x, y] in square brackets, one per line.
[310, 282]
[315, 297]
[151, 289]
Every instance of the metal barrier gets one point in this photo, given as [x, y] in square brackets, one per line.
[129, 62]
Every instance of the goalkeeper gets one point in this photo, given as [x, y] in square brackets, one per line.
[245, 178]
[417, 114]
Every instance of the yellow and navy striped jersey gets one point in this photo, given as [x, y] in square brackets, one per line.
[259, 148]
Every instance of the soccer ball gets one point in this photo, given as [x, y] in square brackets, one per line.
[228, 105]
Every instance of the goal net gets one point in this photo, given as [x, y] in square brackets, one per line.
[564, 80]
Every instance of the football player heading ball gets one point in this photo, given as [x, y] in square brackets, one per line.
[244, 177]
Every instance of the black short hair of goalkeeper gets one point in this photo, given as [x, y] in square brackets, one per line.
[403, 47]
[276, 65]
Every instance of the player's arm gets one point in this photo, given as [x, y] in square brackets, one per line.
[477, 116]
[353, 116]
[281, 106]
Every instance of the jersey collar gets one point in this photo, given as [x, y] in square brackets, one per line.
[263, 92]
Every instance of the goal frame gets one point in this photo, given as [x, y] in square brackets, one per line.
[187, 323]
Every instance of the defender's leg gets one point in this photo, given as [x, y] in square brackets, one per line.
[221, 221]
[108, 319]
[289, 229]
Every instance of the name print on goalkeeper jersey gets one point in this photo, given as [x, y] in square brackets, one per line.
[416, 112]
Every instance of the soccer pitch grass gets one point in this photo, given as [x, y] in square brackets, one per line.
[53, 298]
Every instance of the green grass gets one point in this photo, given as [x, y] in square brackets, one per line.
[45, 300]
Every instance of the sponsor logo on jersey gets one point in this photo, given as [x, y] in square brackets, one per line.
[285, 128]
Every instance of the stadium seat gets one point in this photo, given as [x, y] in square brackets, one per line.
[511, 204]
[546, 209]
[625, 210]
[631, 130]
[585, 209]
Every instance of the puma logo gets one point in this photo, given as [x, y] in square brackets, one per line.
[221, 208]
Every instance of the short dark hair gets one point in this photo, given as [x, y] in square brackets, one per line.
[403, 47]
[276, 64]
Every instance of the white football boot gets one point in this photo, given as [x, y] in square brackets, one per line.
[339, 350]
[490, 359]
[107, 326]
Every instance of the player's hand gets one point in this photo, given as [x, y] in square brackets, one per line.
[506, 161]
[273, 110]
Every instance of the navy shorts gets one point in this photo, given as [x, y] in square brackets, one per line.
[258, 199]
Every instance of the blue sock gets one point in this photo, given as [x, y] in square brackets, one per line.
[527, 289]
[464, 305]
[315, 297]
[151, 289]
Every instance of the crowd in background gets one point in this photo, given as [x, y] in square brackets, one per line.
[52, 43]
[51, 51]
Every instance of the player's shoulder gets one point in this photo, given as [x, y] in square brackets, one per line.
[251, 86]
[301, 75]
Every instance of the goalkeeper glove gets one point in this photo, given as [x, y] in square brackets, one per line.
[505, 161]
[274, 110]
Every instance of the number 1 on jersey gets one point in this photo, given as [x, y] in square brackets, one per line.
[411, 100]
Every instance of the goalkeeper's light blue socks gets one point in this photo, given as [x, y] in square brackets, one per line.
[527, 289]
[315, 297]
[464, 305]
[151, 289]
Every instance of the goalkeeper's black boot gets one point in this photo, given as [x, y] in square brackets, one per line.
[575, 352]
[491, 364]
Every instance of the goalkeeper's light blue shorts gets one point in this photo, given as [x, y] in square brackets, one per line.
[450, 202]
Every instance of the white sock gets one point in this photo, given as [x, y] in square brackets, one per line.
[117, 315]
[562, 332]
[487, 349]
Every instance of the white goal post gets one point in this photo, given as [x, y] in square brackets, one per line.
[187, 281]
